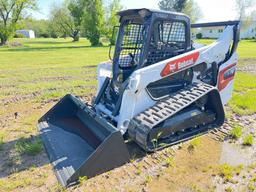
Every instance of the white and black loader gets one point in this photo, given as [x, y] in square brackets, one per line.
[159, 89]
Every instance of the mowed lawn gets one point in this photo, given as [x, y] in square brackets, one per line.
[49, 68]
[246, 48]
[41, 71]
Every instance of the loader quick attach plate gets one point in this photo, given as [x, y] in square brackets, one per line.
[80, 143]
[142, 125]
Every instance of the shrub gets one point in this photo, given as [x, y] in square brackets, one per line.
[44, 35]
[199, 35]
[248, 140]
[55, 36]
[5, 34]
[18, 35]
[236, 132]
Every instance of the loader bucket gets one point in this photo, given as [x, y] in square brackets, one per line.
[80, 143]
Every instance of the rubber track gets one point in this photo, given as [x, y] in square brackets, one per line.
[141, 125]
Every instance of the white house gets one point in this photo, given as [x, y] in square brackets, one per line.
[211, 32]
[214, 32]
[27, 33]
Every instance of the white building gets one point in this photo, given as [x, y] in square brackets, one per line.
[27, 33]
[211, 32]
[214, 32]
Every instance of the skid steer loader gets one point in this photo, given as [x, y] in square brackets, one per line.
[159, 89]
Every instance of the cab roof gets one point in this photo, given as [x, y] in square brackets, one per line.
[149, 12]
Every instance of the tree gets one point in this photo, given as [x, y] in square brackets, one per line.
[172, 5]
[189, 7]
[76, 8]
[243, 14]
[11, 11]
[93, 21]
[63, 22]
[112, 20]
[242, 6]
[193, 10]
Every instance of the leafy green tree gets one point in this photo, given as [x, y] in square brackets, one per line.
[243, 12]
[93, 21]
[76, 8]
[242, 7]
[11, 11]
[63, 22]
[172, 5]
[189, 7]
[112, 20]
[193, 10]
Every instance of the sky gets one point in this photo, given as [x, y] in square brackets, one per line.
[212, 10]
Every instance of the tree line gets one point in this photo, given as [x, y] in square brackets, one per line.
[73, 18]
[87, 18]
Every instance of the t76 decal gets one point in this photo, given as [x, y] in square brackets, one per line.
[179, 64]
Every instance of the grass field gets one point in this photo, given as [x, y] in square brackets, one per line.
[40, 66]
[246, 48]
[36, 74]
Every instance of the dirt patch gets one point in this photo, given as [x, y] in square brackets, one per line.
[247, 65]
[56, 78]
[148, 172]
[246, 61]
[250, 68]
[19, 98]
[187, 173]
[233, 151]
[134, 175]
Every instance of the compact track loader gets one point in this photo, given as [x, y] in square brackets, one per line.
[159, 89]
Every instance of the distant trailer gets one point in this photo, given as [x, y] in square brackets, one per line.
[27, 33]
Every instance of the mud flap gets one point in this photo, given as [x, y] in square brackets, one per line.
[80, 143]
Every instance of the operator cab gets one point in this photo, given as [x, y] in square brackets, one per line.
[146, 37]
